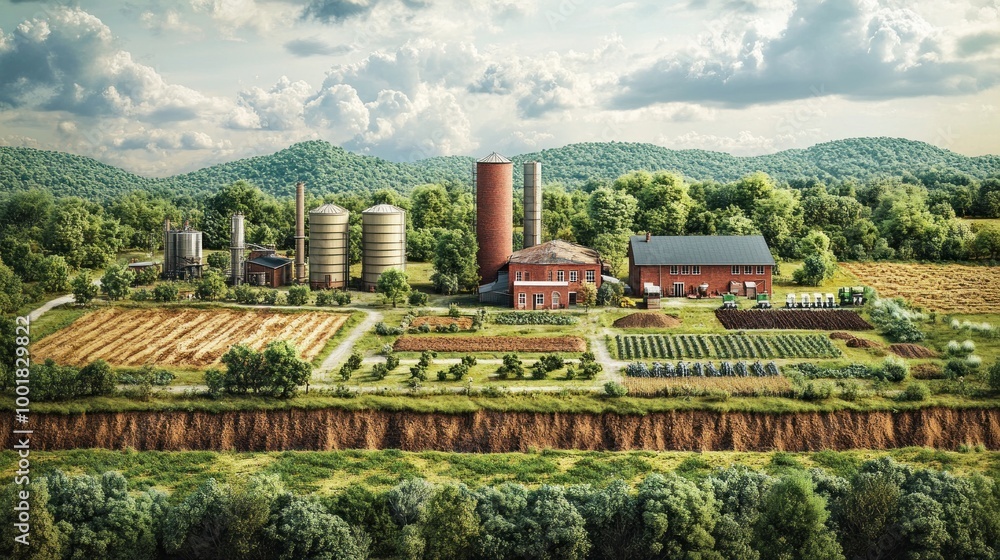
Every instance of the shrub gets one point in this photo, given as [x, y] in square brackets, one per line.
[324, 298]
[142, 294]
[345, 372]
[850, 390]
[814, 391]
[165, 292]
[380, 371]
[615, 390]
[391, 362]
[418, 299]
[894, 369]
[956, 368]
[458, 371]
[270, 297]
[454, 311]
[298, 295]
[354, 361]
[512, 366]
[993, 377]
[551, 362]
[382, 329]
[341, 297]
[247, 295]
[915, 391]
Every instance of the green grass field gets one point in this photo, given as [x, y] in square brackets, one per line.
[328, 472]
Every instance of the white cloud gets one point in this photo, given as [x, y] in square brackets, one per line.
[279, 108]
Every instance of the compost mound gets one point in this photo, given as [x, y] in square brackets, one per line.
[862, 343]
[912, 351]
[646, 321]
[840, 335]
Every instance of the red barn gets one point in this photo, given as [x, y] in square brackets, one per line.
[264, 268]
[548, 276]
[700, 264]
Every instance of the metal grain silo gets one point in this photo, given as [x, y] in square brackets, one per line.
[168, 250]
[494, 214]
[188, 246]
[383, 242]
[237, 248]
[329, 242]
[532, 204]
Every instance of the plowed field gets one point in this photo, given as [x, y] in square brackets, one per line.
[490, 344]
[907, 350]
[948, 288]
[182, 337]
[816, 319]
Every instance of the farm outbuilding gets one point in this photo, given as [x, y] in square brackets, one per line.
[706, 265]
[264, 268]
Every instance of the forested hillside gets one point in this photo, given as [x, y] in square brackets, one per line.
[330, 169]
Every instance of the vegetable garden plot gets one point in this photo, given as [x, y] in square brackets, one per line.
[799, 319]
[490, 344]
[725, 346]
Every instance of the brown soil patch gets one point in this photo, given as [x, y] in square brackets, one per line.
[182, 336]
[464, 323]
[841, 335]
[863, 343]
[646, 321]
[440, 343]
[912, 351]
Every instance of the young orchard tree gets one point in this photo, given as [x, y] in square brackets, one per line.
[587, 296]
[393, 284]
[84, 288]
[116, 282]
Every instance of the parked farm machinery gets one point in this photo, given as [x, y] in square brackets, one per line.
[854, 295]
[814, 300]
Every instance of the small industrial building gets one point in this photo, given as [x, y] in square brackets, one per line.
[699, 265]
[265, 268]
[548, 276]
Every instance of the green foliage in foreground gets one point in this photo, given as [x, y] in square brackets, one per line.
[732, 512]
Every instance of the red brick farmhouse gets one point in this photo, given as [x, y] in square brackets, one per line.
[548, 276]
[703, 265]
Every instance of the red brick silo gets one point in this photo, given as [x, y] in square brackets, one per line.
[494, 214]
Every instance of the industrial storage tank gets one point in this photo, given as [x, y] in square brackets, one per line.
[329, 242]
[532, 204]
[494, 214]
[182, 256]
[237, 247]
[383, 242]
[188, 248]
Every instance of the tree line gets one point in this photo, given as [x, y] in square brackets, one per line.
[881, 508]
[911, 217]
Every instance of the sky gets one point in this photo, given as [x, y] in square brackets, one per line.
[162, 87]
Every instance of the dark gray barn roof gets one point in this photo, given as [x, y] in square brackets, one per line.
[271, 262]
[700, 250]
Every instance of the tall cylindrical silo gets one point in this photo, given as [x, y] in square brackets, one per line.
[300, 232]
[188, 247]
[169, 264]
[329, 242]
[237, 249]
[494, 214]
[532, 204]
[383, 242]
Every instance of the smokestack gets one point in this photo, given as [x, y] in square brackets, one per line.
[532, 204]
[300, 232]
[236, 249]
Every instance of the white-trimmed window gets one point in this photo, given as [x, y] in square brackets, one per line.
[696, 269]
[561, 275]
[517, 276]
[590, 276]
[674, 269]
[522, 298]
[539, 300]
[747, 269]
[555, 300]
[685, 269]
[574, 276]
[760, 270]
[736, 269]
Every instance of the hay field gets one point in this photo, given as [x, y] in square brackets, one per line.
[951, 288]
[182, 337]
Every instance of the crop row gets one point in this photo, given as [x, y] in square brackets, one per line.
[533, 318]
[728, 346]
[698, 369]
[798, 319]
[490, 344]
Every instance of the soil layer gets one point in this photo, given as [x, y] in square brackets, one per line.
[490, 432]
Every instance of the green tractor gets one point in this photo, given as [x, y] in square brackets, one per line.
[855, 295]
[729, 301]
[763, 301]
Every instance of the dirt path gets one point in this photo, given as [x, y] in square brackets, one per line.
[343, 350]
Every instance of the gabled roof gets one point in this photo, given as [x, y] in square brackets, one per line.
[700, 250]
[556, 252]
[271, 262]
[494, 158]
